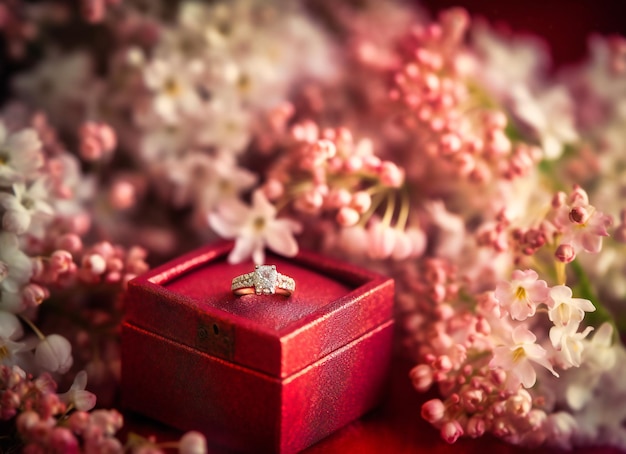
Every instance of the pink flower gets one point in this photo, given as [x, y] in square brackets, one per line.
[582, 225]
[255, 228]
[192, 443]
[564, 309]
[517, 356]
[588, 232]
[522, 295]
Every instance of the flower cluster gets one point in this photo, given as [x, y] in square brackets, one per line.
[328, 174]
[47, 422]
[495, 356]
[435, 150]
[198, 95]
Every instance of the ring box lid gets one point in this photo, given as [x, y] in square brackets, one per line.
[189, 300]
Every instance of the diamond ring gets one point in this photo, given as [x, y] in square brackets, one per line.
[264, 280]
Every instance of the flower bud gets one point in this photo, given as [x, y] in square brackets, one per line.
[78, 421]
[273, 189]
[61, 439]
[347, 217]
[422, 377]
[338, 198]
[60, 261]
[433, 410]
[565, 253]
[559, 199]
[33, 295]
[361, 201]
[69, 242]
[110, 421]
[122, 195]
[451, 431]
[472, 399]
[391, 175]
[94, 263]
[26, 421]
[54, 354]
[192, 443]
[475, 427]
[579, 215]
[93, 11]
[326, 148]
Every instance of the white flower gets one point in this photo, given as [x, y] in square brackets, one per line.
[24, 205]
[560, 427]
[599, 353]
[173, 86]
[77, 396]
[229, 128]
[10, 326]
[597, 72]
[599, 356]
[601, 419]
[563, 309]
[80, 187]
[62, 85]
[451, 233]
[517, 356]
[10, 330]
[54, 354]
[550, 115]
[17, 269]
[209, 180]
[226, 182]
[20, 155]
[255, 227]
[160, 140]
[568, 343]
[506, 62]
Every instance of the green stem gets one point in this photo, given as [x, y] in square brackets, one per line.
[36, 330]
[168, 444]
[376, 201]
[389, 210]
[560, 272]
[585, 290]
[374, 189]
[405, 206]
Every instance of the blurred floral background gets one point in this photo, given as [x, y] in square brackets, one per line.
[423, 141]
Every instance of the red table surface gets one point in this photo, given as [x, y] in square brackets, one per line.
[394, 427]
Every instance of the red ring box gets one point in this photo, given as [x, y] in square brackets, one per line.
[261, 373]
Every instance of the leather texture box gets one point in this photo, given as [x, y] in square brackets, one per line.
[256, 373]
